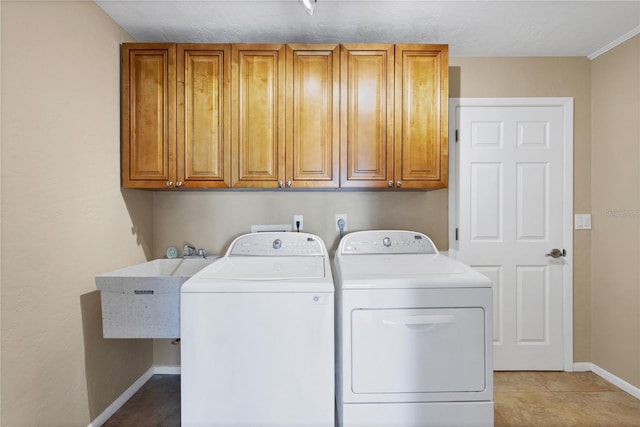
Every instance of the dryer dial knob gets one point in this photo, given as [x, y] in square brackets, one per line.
[386, 241]
[277, 244]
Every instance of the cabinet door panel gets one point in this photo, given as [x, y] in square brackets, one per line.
[367, 115]
[421, 116]
[203, 116]
[148, 115]
[313, 78]
[258, 136]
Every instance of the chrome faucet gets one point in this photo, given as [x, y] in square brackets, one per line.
[188, 250]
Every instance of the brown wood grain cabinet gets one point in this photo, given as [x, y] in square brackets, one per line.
[313, 115]
[258, 115]
[421, 116]
[394, 116]
[370, 116]
[175, 116]
[204, 104]
[367, 115]
[148, 115]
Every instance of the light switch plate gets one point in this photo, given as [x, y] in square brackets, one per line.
[583, 221]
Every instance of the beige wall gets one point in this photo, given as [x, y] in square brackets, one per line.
[64, 218]
[616, 211]
[212, 219]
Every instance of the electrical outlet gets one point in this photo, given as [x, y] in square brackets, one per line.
[297, 218]
[341, 217]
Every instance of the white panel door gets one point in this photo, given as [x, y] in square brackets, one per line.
[512, 211]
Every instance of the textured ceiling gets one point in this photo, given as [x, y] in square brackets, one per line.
[470, 28]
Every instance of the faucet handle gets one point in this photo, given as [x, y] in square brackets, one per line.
[202, 252]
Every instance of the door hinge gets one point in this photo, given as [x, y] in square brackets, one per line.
[457, 137]
[457, 233]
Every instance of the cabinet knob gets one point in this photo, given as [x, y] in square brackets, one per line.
[169, 183]
[289, 184]
[398, 184]
[279, 184]
[390, 184]
[179, 184]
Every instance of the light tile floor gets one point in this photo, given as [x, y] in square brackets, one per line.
[561, 399]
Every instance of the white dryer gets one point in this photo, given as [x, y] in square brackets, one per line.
[414, 334]
[257, 335]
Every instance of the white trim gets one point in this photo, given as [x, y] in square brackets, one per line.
[608, 376]
[128, 393]
[614, 43]
[583, 367]
[454, 103]
[166, 370]
[567, 104]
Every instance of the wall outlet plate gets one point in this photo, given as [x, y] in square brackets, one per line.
[297, 218]
[341, 217]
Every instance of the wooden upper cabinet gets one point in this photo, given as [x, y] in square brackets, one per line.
[204, 141]
[148, 115]
[312, 105]
[280, 116]
[258, 115]
[367, 82]
[421, 114]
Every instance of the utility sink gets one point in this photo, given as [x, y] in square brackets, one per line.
[143, 300]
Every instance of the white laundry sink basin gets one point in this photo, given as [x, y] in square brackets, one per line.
[177, 267]
[143, 300]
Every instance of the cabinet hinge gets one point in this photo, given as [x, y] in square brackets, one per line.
[457, 233]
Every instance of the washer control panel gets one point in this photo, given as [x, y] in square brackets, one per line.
[386, 242]
[277, 244]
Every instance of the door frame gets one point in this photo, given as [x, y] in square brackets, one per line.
[567, 209]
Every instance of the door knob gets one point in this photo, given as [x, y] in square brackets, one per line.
[557, 253]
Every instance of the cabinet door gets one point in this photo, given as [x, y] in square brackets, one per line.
[366, 115]
[204, 142]
[258, 121]
[421, 114]
[313, 114]
[148, 115]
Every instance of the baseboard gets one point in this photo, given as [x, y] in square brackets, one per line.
[117, 404]
[582, 367]
[122, 399]
[617, 381]
[166, 370]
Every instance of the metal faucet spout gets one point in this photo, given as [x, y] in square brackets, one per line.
[188, 250]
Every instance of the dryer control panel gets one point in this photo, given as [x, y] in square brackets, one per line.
[386, 242]
[277, 244]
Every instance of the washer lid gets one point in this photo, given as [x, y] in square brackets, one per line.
[263, 274]
[266, 268]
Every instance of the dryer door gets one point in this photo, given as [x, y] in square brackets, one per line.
[422, 350]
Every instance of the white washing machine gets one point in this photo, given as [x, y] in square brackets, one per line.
[414, 334]
[257, 335]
